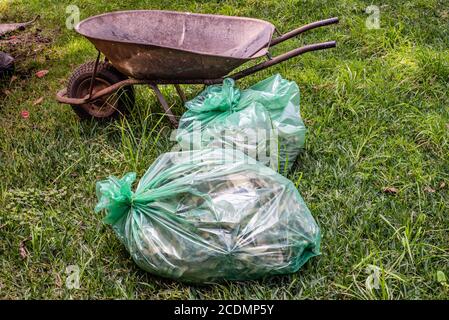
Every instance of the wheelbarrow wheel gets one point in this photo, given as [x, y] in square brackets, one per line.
[104, 108]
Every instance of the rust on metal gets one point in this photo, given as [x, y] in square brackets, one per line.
[61, 95]
[303, 29]
[92, 80]
[153, 44]
[180, 93]
[164, 104]
[156, 47]
[283, 57]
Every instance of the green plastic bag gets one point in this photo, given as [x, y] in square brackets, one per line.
[210, 215]
[263, 121]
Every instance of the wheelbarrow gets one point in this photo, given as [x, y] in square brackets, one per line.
[155, 47]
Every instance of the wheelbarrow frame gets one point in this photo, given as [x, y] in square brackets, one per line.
[61, 96]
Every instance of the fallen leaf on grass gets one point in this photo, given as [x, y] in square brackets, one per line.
[13, 78]
[391, 190]
[38, 101]
[25, 114]
[22, 249]
[429, 189]
[309, 122]
[58, 280]
[41, 73]
[442, 185]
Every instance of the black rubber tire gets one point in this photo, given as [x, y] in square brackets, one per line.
[106, 75]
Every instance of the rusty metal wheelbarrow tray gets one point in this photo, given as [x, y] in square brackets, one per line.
[155, 44]
[168, 47]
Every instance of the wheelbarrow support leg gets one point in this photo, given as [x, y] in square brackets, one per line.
[92, 80]
[164, 104]
[180, 93]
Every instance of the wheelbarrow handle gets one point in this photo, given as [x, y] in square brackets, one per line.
[302, 29]
[283, 57]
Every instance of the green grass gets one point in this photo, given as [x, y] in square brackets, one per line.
[377, 115]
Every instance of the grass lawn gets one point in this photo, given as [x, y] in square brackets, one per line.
[377, 112]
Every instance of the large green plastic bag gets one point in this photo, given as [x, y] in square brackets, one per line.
[263, 121]
[210, 215]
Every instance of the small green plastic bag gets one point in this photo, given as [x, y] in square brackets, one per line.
[210, 215]
[262, 121]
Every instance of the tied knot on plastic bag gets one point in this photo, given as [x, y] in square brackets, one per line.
[223, 97]
[115, 196]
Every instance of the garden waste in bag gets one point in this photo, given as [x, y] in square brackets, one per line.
[262, 121]
[210, 215]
